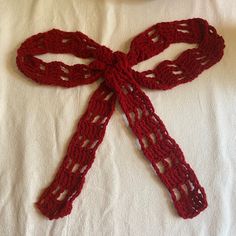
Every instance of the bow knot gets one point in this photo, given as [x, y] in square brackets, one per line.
[120, 60]
[98, 65]
[111, 70]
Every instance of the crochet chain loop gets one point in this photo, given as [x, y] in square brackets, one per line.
[123, 83]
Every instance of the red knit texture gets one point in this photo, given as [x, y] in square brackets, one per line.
[122, 83]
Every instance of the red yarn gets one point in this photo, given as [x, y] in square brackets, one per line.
[121, 82]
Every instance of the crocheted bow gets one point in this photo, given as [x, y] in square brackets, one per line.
[122, 83]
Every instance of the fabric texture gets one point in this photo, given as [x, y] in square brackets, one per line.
[122, 195]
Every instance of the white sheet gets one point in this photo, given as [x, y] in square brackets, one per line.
[121, 195]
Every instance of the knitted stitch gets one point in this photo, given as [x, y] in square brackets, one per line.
[122, 83]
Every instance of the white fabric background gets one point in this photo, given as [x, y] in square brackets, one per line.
[121, 196]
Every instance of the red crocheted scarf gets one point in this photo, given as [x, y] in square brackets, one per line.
[121, 82]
